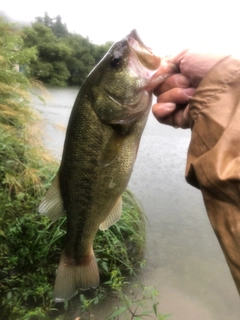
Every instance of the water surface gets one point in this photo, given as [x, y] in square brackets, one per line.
[184, 260]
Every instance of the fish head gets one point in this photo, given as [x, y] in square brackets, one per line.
[123, 81]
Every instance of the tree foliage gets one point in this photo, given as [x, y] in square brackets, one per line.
[55, 24]
[64, 58]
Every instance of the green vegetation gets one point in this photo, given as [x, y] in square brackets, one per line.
[30, 244]
[63, 58]
[24, 168]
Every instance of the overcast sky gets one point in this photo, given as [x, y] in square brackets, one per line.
[166, 26]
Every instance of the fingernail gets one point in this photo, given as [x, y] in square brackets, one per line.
[189, 92]
[182, 81]
[169, 106]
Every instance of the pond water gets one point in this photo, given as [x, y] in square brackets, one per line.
[184, 260]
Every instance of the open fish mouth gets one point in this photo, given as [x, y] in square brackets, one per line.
[155, 70]
[144, 54]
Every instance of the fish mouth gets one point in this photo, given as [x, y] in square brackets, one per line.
[144, 54]
[155, 70]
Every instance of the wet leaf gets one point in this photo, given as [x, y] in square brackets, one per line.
[118, 312]
[155, 308]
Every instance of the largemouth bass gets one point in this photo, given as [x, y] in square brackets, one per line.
[102, 139]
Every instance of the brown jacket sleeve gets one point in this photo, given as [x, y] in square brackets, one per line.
[213, 163]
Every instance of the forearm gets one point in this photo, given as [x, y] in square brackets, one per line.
[213, 163]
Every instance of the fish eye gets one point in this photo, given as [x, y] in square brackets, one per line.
[116, 59]
[115, 62]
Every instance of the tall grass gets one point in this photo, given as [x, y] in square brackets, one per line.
[30, 244]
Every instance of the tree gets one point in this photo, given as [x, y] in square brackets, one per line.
[55, 24]
[46, 20]
[50, 66]
[63, 58]
[58, 28]
[100, 50]
[81, 60]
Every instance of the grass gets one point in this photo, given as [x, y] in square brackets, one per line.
[30, 244]
[30, 249]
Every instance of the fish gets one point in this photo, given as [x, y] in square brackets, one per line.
[100, 148]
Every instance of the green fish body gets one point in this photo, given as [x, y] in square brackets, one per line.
[102, 139]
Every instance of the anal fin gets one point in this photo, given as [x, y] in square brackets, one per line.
[52, 204]
[113, 216]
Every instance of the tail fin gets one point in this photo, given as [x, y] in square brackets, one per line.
[72, 276]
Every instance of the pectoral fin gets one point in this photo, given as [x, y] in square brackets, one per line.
[52, 204]
[112, 149]
[113, 217]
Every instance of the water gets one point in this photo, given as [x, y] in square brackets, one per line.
[184, 260]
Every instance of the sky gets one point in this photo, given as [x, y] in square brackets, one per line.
[166, 26]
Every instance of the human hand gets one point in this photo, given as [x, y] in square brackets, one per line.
[174, 93]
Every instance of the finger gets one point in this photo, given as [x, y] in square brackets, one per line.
[172, 115]
[163, 110]
[176, 95]
[181, 117]
[176, 59]
[174, 81]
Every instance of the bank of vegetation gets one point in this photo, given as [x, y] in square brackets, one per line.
[30, 244]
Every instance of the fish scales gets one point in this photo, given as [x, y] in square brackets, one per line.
[88, 185]
[101, 144]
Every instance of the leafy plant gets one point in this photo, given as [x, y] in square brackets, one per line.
[25, 168]
[132, 300]
[30, 244]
